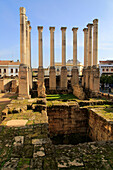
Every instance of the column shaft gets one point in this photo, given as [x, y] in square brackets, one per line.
[74, 46]
[30, 46]
[52, 29]
[63, 46]
[90, 44]
[95, 42]
[27, 43]
[40, 48]
[22, 35]
[85, 47]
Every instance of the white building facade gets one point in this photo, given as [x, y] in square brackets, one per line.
[9, 68]
[106, 67]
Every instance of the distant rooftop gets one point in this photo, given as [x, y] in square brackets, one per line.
[9, 62]
[106, 62]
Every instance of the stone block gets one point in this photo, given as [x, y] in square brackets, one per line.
[30, 79]
[1, 85]
[23, 81]
[78, 92]
[14, 86]
[41, 86]
[52, 78]
[75, 77]
[63, 78]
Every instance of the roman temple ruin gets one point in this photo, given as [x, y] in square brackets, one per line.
[90, 76]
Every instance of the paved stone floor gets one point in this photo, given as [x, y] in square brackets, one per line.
[29, 147]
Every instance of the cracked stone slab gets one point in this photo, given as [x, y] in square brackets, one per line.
[75, 163]
[62, 165]
[17, 123]
[40, 141]
[39, 154]
[19, 140]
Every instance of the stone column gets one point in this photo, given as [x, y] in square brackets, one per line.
[95, 42]
[74, 46]
[29, 62]
[22, 35]
[41, 87]
[30, 46]
[27, 43]
[85, 47]
[63, 29]
[23, 68]
[52, 72]
[90, 44]
[63, 80]
[40, 49]
[74, 72]
[95, 84]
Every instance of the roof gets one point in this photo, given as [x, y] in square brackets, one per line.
[106, 62]
[9, 62]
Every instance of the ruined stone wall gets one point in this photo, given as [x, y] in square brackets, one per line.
[67, 119]
[78, 92]
[99, 128]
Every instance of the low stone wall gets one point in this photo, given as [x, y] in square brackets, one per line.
[78, 92]
[99, 128]
[67, 119]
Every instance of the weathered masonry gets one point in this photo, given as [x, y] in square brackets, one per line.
[68, 123]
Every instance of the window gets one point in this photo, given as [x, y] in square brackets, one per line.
[4, 70]
[11, 70]
[16, 70]
[103, 69]
[107, 69]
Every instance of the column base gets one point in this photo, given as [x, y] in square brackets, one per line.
[23, 81]
[87, 77]
[63, 78]
[30, 79]
[52, 78]
[41, 86]
[75, 76]
[96, 80]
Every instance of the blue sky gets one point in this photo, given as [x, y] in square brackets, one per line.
[58, 13]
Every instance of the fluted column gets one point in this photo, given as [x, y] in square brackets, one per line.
[74, 46]
[40, 48]
[22, 35]
[30, 46]
[90, 44]
[95, 42]
[63, 29]
[27, 43]
[52, 29]
[85, 47]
